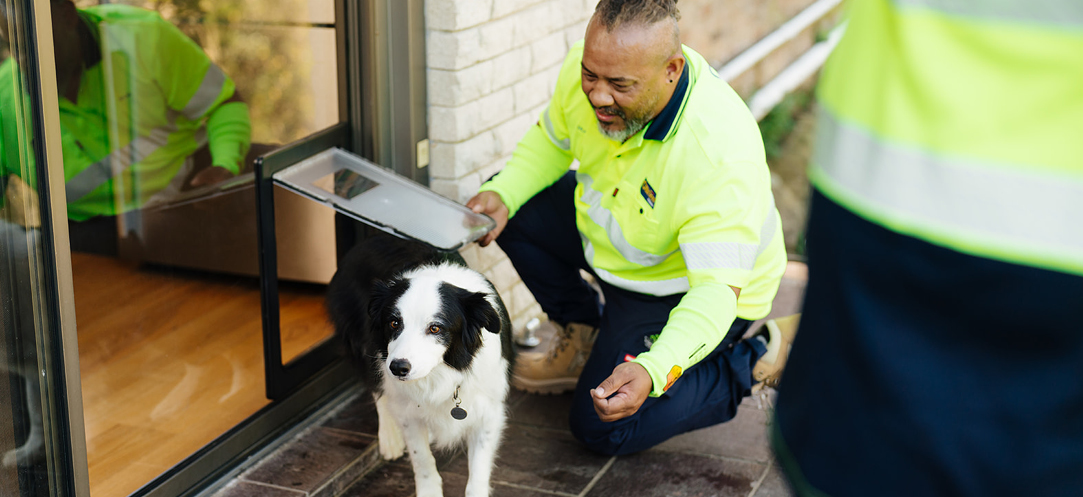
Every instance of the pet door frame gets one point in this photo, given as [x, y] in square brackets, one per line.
[282, 379]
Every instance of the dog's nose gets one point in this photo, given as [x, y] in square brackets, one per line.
[400, 367]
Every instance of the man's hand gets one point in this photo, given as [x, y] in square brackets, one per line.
[490, 204]
[627, 388]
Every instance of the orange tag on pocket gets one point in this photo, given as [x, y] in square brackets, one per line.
[672, 377]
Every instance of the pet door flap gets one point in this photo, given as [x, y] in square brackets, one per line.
[379, 197]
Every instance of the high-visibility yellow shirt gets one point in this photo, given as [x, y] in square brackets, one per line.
[683, 206]
[141, 110]
[961, 124]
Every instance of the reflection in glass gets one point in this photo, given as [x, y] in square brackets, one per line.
[162, 112]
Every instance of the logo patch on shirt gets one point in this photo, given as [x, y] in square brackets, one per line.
[648, 193]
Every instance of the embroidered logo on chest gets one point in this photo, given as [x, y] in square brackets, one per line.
[648, 193]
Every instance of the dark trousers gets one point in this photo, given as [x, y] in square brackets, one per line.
[919, 370]
[543, 244]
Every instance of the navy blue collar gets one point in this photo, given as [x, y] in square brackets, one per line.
[664, 121]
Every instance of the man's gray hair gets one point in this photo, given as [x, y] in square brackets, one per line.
[613, 13]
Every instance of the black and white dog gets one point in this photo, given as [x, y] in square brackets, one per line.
[433, 341]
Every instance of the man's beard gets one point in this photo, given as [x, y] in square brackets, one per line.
[632, 125]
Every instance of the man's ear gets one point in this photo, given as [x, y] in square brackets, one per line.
[674, 66]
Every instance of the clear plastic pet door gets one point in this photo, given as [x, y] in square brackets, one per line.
[364, 191]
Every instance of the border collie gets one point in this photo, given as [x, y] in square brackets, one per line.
[433, 341]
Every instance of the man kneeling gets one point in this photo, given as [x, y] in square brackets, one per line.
[670, 209]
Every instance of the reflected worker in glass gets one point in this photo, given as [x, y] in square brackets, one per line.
[144, 115]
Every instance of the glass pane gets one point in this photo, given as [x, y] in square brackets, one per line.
[23, 323]
[162, 112]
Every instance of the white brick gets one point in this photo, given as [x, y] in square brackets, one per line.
[504, 7]
[453, 124]
[510, 67]
[508, 134]
[459, 190]
[491, 256]
[573, 11]
[547, 52]
[452, 88]
[533, 24]
[493, 168]
[521, 298]
[495, 108]
[574, 33]
[455, 160]
[503, 276]
[495, 38]
[454, 15]
[447, 188]
[470, 255]
[452, 50]
[533, 91]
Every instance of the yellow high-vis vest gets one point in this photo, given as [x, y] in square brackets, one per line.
[684, 205]
[960, 123]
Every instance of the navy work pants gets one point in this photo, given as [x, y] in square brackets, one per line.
[922, 371]
[543, 244]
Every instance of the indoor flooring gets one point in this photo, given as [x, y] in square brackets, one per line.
[171, 359]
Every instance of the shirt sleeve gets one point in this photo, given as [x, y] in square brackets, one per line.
[544, 154]
[722, 225]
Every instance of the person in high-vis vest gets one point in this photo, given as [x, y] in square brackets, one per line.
[941, 351]
[670, 209]
[140, 102]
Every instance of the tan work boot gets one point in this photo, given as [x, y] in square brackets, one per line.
[768, 370]
[555, 369]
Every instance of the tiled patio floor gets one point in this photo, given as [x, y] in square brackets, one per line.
[337, 455]
[538, 457]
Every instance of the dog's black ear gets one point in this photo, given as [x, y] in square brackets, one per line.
[383, 295]
[479, 312]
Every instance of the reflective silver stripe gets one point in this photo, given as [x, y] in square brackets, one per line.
[208, 92]
[114, 164]
[719, 255]
[565, 144]
[730, 255]
[602, 217]
[963, 201]
[659, 288]
[1065, 13]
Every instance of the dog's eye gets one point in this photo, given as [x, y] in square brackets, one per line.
[434, 329]
[396, 324]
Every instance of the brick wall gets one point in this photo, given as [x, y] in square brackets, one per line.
[492, 65]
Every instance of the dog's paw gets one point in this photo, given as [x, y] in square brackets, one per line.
[392, 445]
[431, 490]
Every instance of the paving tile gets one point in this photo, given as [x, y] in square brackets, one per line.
[248, 489]
[744, 437]
[546, 411]
[396, 480]
[541, 459]
[389, 480]
[775, 485]
[667, 474]
[358, 415]
[309, 462]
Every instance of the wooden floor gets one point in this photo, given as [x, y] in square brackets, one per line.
[170, 360]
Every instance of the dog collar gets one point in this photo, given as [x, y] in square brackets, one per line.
[457, 412]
